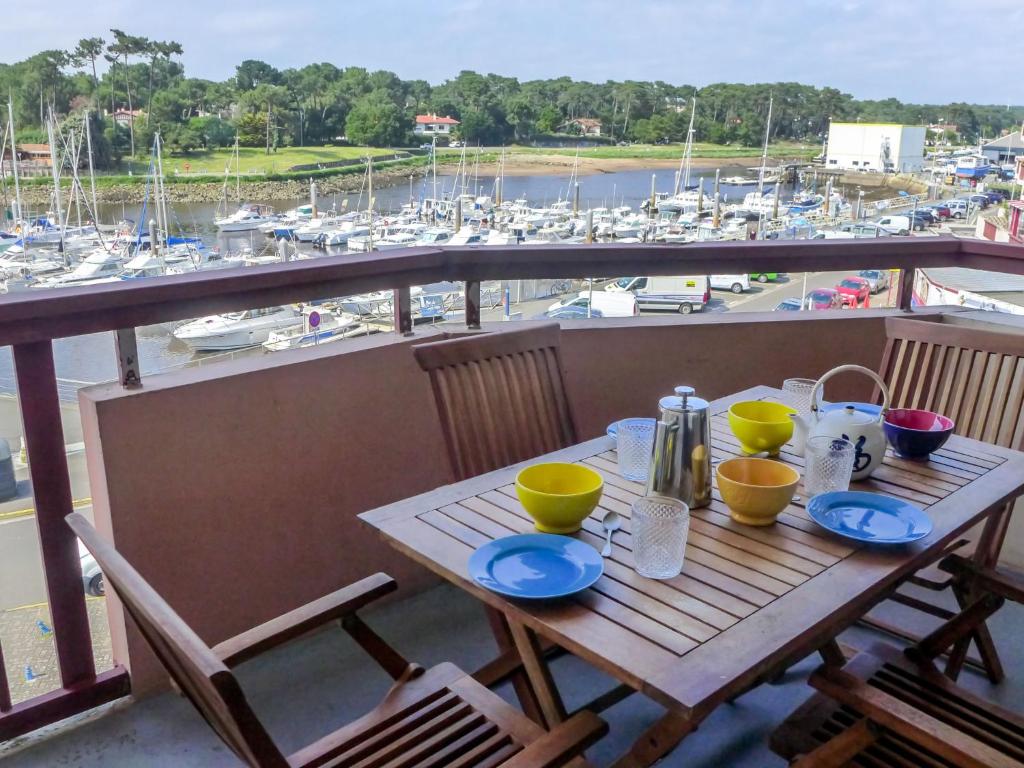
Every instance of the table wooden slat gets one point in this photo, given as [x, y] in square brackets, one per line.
[748, 597]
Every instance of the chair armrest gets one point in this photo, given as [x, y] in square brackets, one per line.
[298, 622]
[840, 750]
[1001, 580]
[562, 744]
[908, 721]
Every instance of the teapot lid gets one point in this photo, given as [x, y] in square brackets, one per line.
[683, 400]
[849, 414]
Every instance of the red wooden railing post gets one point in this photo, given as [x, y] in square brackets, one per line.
[51, 486]
[403, 311]
[905, 292]
[5, 690]
[473, 304]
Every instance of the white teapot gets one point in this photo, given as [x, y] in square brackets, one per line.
[862, 429]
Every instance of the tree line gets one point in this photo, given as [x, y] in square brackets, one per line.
[321, 103]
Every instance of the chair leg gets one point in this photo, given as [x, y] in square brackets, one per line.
[520, 682]
[982, 638]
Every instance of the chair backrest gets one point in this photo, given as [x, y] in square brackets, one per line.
[199, 674]
[501, 397]
[973, 375]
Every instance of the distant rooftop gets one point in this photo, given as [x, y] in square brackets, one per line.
[435, 120]
[996, 285]
[1009, 141]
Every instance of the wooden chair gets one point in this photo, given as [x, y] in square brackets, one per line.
[975, 376]
[500, 396]
[439, 717]
[501, 399]
[887, 707]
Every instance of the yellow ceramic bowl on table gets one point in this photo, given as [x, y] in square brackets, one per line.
[558, 496]
[756, 490]
[761, 425]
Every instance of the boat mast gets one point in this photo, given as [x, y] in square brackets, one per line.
[238, 171]
[683, 176]
[764, 153]
[433, 158]
[14, 169]
[54, 163]
[161, 200]
[369, 200]
[92, 176]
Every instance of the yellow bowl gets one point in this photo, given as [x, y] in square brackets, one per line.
[761, 425]
[756, 490]
[558, 496]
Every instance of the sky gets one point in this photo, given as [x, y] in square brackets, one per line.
[872, 49]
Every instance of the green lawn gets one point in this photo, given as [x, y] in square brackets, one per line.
[254, 159]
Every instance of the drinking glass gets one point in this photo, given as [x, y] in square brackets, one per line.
[660, 525]
[635, 447]
[828, 465]
[796, 393]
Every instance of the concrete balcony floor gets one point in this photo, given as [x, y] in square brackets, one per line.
[308, 688]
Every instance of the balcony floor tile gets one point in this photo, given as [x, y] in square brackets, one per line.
[310, 687]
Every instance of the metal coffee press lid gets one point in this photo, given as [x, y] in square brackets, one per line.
[683, 400]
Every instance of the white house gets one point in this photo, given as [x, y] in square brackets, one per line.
[875, 147]
[432, 125]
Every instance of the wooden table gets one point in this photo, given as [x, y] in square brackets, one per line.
[750, 601]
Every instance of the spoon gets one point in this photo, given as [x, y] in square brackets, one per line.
[611, 524]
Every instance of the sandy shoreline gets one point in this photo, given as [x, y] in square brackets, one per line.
[558, 165]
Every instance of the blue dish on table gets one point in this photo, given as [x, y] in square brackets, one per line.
[613, 428]
[869, 517]
[536, 566]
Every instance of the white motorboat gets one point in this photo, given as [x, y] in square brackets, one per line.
[98, 266]
[376, 303]
[395, 241]
[330, 328]
[339, 237]
[236, 330]
[250, 216]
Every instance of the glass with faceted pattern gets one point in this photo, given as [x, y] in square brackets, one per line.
[635, 444]
[828, 465]
[660, 526]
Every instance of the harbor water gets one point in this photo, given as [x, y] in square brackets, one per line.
[88, 359]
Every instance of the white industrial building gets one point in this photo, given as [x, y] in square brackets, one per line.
[875, 147]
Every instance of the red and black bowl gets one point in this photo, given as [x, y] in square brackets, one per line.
[915, 434]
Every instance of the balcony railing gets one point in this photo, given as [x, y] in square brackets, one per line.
[31, 321]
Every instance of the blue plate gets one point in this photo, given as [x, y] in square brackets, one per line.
[613, 428]
[536, 566]
[869, 517]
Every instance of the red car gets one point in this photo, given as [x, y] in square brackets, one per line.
[854, 291]
[942, 211]
[823, 298]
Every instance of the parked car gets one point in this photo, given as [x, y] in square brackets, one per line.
[855, 291]
[764, 277]
[608, 304]
[864, 229]
[927, 215]
[734, 283]
[895, 225]
[959, 207]
[994, 196]
[941, 210]
[823, 298]
[684, 294]
[788, 305]
[878, 279]
[570, 312]
[92, 576]
[979, 199]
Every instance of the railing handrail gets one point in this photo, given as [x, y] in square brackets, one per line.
[47, 314]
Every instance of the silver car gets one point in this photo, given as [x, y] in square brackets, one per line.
[877, 278]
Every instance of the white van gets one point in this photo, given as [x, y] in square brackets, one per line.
[734, 283]
[896, 225]
[608, 304]
[679, 294]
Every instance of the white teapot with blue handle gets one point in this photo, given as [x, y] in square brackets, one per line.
[862, 429]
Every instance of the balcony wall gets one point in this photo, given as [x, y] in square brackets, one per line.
[234, 488]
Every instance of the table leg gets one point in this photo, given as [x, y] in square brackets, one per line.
[520, 682]
[657, 741]
[539, 674]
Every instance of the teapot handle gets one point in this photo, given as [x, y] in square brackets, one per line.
[816, 391]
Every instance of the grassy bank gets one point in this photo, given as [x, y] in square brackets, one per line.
[669, 151]
[252, 160]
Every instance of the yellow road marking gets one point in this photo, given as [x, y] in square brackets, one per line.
[15, 514]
